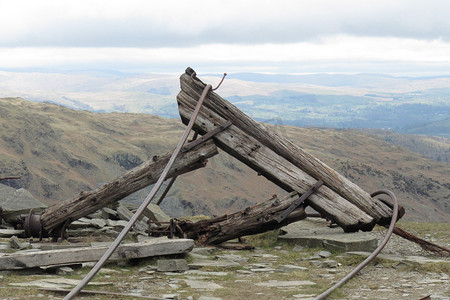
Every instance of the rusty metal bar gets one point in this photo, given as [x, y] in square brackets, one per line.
[207, 136]
[164, 194]
[299, 201]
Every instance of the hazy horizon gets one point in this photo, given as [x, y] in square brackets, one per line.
[284, 37]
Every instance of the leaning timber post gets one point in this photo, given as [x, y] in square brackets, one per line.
[288, 150]
[275, 168]
[53, 218]
[252, 220]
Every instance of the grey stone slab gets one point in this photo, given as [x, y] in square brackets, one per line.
[314, 233]
[411, 259]
[14, 242]
[213, 263]
[108, 213]
[4, 246]
[6, 233]
[155, 247]
[62, 271]
[156, 214]
[329, 263]
[15, 202]
[61, 246]
[206, 273]
[304, 296]
[202, 285]
[172, 265]
[232, 257]
[204, 250]
[324, 254]
[291, 268]
[125, 214]
[281, 284]
[55, 283]
[263, 270]
[116, 223]
[98, 223]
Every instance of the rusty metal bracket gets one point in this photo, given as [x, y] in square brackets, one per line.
[207, 136]
[165, 228]
[299, 201]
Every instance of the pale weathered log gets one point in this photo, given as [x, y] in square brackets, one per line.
[293, 153]
[277, 169]
[135, 179]
[149, 248]
[252, 220]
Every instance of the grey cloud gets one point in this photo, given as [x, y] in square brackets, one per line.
[412, 19]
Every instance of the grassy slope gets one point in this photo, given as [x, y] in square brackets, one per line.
[60, 152]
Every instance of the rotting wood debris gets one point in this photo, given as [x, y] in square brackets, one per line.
[262, 149]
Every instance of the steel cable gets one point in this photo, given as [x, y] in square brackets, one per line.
[144, 204]
[375, 252]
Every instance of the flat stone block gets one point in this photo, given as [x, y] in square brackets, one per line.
[213, 263]
[314, 233]
[281, 284]
[172, 265]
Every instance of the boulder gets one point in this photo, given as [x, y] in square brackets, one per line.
[16, 202]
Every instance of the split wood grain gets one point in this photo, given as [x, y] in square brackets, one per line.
[288, 150]
[135, 179]
[274, 167]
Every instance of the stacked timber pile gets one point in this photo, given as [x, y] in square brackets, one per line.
[280, 161]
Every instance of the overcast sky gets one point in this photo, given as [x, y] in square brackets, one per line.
[282, 36]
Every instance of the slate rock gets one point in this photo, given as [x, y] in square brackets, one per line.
[213, 263]
[324, 254]
[172, 265]
[291, 268]
[329, 263]
[156, 214]
[202, 285]
[298, 248]
[16, 202]
[6, 233]
[14, 242]
[64, 271]
[281, 284]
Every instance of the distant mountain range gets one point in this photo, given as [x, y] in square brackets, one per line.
[59, 152]
[404, 104]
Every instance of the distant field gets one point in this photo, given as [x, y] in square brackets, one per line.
[403, 104]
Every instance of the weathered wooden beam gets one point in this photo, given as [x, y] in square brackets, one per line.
[252, 220]
[274, 167]
[288, 150]
[133, 180]
[154, 247]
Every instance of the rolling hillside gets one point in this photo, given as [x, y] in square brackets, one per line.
[405, 104]
[60, 152]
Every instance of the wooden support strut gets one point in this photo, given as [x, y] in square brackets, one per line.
[133, 180]
[252, 152]
[288, 150]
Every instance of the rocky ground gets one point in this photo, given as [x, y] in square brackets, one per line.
[274, 270]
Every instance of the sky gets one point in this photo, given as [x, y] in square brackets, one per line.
[284, 36]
